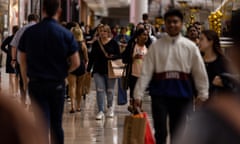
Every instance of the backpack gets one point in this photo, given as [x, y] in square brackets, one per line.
[81, 69]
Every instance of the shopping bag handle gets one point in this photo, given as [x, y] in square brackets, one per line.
[137, 110]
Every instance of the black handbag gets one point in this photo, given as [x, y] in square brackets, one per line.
[125, 76]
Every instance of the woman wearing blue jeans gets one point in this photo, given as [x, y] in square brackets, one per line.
[103, 49]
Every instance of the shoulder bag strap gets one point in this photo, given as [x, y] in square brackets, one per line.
[102, 48]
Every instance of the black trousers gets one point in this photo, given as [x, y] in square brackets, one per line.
[49, 96]
[174, 108]
[21, 86]
[132, 83]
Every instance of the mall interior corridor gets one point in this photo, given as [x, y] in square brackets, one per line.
[81, 127]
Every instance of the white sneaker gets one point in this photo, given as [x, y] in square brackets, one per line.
[110, 112]
[100, 115]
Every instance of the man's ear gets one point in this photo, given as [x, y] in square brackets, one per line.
[59, 12]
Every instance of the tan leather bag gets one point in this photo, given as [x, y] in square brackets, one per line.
[115, 67]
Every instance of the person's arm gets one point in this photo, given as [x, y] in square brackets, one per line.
[145, 77]
[4, 44]
[14, 56]
[14, 52]
[93, 40]
[200, 76]
[74, 62]
[23, 68]
[73, 54]
[85, 52]
[14, 43]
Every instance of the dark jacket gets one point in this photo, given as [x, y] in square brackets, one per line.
[127, 56]
[215, 68]
[6, 47]
[97, 59]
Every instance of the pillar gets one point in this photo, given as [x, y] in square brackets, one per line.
[137, 8]
[84, 12]
[69, 11]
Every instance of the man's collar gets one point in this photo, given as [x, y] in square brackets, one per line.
[50, 19]
[173, 38]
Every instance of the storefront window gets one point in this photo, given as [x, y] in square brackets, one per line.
[13, 14]
[3, 18]
[35, 6]
[27, 10]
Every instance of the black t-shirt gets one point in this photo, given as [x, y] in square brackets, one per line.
[215, 68]
[97, 59]
[88, 37]
[81, 69]
[48, 46]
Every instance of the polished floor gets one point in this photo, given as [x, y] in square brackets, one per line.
[82, 128]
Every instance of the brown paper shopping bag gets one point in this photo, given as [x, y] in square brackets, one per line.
[134, 130]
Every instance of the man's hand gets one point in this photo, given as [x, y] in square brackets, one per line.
[137, 103]
[198, 102]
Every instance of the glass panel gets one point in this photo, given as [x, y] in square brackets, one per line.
[36, 6]
[3, 18]
[13, 14]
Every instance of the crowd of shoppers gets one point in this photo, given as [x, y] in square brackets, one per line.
[177, 70]
[6, 47]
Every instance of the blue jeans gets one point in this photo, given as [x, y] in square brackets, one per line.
[49, 96]
[104, 86]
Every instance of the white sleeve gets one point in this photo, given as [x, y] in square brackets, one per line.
[146, 75]
[199, 75]
[16, 38]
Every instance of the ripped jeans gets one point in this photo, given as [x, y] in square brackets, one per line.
[104, 87]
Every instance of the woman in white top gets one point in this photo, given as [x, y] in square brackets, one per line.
[133, 56]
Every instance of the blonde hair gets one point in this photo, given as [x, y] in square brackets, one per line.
[105, 27]
[77, 32]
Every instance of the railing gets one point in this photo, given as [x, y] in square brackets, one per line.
[226, 43]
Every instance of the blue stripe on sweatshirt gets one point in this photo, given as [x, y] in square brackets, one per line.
[171, 88]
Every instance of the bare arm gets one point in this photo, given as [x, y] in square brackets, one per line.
[23, 68]
[199, 75]
[14, 52]
[14, 56]
[74, 62]
[85, 52]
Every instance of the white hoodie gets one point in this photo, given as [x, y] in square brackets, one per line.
[173, 54]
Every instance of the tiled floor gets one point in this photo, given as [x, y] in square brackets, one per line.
[82, 128]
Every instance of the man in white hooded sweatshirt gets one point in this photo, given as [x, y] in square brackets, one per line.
[169, 67]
